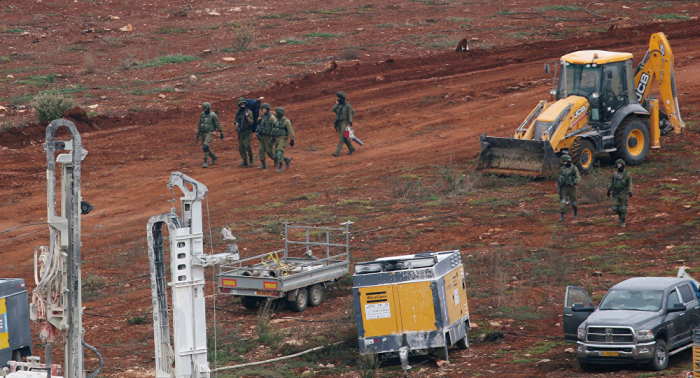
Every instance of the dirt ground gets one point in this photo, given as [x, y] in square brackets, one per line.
[420, 109]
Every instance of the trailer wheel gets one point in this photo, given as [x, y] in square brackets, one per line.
[632, 141]
[251, 303]
[316, 295]
[583, 154]
[463, 343]
[16, 355]
[302, 299]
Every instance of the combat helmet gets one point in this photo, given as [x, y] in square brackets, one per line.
[565, 158]
[279, 110]
[241, 100]
[206, 105]
[265, 105]
[619, 161]
[341, 94]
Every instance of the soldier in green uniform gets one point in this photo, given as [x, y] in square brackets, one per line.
[264, 134]
[281, 131]
[244, 126]
[208, 122]
[621, 190]
[568, 180]
[343, 117]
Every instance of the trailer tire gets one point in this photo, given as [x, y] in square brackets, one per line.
[583, 154]
[463, 343]
[302, 300]
[251, 303]
[316, 294]
[632, 141]
[16, 355]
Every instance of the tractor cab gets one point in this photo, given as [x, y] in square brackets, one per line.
[605, 78]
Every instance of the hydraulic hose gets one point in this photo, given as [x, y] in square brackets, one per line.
[99, 356]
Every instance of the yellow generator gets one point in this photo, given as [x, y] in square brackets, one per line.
[413, 303]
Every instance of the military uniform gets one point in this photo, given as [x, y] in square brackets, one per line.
[281, 132]
[208, 122]
[568, 180]
[343, 117]
[265, 136]
[244, 126]
[621, 189]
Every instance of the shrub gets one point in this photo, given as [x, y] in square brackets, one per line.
[367, 365]
[267, 333]
[51, 105]
[244, 38]
[350, 52]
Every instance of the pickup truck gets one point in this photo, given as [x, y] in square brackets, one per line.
[640, 320]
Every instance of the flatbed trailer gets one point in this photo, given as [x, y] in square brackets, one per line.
[302, 279]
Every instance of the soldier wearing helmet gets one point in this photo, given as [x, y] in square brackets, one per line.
[621, 190]
[281, 132]
[568, 180]
[244, 125]
[208, 122]
[264, 135]
[343, 117]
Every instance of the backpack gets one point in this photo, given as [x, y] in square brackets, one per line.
[254, 107]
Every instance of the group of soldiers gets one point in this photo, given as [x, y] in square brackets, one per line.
[620, 188]
[272, 131]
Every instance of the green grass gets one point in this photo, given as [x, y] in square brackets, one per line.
[671, 16]
[39, 81]
[385, 25]
[168, 59]
[171, 30]
[275, 16]
[458, 19]
[15, 31]
[292, 41]
[506, 12]
[4, 59]
[561, 8]
[76, 48]
[321, 35]
[296, 64]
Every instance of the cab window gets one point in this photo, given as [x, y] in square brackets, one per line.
[686, 293]
[672, 299]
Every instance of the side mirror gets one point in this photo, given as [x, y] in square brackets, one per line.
[579, 307]
[546, 68]
[678, 307]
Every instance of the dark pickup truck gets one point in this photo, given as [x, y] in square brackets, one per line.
[640, 320]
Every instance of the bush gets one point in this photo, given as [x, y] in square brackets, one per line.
[244, 38]
[49, 106]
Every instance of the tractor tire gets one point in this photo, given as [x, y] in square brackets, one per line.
[583, 154]
[632, 141]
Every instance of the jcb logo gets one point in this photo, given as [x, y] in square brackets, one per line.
[580, 111]
[642, 86]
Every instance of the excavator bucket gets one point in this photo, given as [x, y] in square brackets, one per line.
[510, 156]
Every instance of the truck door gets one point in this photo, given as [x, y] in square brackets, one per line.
[572, 319]
[691, 302]
[674, 321]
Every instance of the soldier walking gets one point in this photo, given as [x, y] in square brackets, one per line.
[568, 180]
[208, 122]
[621, 190]
[264, 135]
[343, 117]
[244, 126]
[281, 131]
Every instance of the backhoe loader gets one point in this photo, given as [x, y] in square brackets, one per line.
[603, 106]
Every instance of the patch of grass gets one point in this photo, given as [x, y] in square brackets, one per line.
[671, 16]
[296, 64]
[168, 59]
[15, 31]
[292, 41]
[39, 80]
[138, 319]
[270, 205]
[267, 333]
[506, 12]
[307, 196]
[560, 8]
[353, 201]
[234, 24]
[321, 35]
[458, 19]
[519, 35]
[76, 48]
[171, 30]
[274, 16]
[385, 25]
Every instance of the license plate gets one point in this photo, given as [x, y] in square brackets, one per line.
[609, 354]
[265, 293]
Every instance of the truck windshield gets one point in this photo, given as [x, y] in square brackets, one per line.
[580, 80]
[648, 300]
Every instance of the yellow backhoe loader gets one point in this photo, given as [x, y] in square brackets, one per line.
[603, 106]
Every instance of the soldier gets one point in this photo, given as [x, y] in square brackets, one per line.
[208, 122]
[343, 117]
[568, 180]
[621, 190]
[264, 135]
[244, 126]
[281, 131]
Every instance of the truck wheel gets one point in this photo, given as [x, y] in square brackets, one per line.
[463, 343]
[583, 154]
[251, 303]
[632, 141]
[585, 366]
[302, 300]
[659, 361]
[316, 294]
[16, 356]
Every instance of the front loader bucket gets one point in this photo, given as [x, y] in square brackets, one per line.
[512, 156]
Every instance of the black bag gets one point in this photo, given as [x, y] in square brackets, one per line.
[253, 106]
